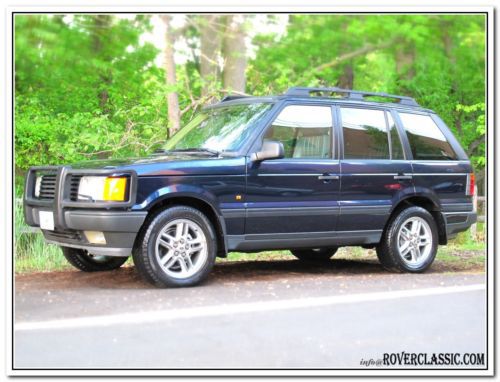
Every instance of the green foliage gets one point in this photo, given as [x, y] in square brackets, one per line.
[437, 59]
[87, 87]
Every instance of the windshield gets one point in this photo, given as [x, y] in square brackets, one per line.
[219, 129]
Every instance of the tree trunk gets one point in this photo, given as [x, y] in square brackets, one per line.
[446, 26]
[101, 25]
[405, 67]
[346, 79]
[210, 43]
[234, 53]
[174, 120]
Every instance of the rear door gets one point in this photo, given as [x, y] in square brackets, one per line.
[298, 193]
[374, 171]
[440, 168]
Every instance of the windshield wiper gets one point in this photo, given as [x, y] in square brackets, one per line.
[200, 150]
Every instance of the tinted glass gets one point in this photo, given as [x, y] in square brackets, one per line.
[427, 142]
[396, 147]
[305, 131]
[365, 134]
[220, 128]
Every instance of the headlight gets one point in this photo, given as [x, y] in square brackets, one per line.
[38, 186]
[101, 188]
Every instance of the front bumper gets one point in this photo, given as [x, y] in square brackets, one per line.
[72, 218]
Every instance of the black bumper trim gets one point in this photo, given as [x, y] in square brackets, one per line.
[260, 242]
[454, 228]
[112, 221]
[94, 250]
[457, 207]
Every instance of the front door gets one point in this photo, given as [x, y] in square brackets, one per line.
[299, 193]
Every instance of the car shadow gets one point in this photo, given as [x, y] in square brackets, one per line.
[244, 269]
[233, 271]
[222, 273]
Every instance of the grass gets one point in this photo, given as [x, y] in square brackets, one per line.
[33, 254]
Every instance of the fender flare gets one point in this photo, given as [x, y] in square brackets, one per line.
[186, 191]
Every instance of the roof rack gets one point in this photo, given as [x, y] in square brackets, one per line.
[349, 94]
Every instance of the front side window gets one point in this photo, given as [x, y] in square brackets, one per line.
[365, 134]
[220, 129]
[427, 142]
[305, 131]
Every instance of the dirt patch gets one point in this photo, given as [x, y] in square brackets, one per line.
[364, 263]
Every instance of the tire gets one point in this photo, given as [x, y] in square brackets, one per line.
[188, 256]
[315, 255]
[84, 261]
[400, 250]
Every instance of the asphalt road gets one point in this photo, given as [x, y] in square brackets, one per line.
[275, 314]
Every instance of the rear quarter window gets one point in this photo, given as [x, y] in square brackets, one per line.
[427, 142]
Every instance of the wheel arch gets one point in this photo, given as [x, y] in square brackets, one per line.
[201, 204]
[427, 202]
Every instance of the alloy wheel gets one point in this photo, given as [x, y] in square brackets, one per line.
[415, 241]
[181, 248]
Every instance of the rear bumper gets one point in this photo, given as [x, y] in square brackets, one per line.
[457, 222]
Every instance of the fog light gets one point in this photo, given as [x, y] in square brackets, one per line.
[95, 237]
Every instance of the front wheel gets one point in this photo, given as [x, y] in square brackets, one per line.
[314, 255]
[176, 248]
[409, 243]
[84, 261]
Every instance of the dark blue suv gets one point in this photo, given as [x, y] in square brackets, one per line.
[310, 171]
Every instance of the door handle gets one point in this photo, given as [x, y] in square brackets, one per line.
[402, 177]
[328, 177]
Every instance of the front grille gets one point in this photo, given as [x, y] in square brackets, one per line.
[48, 187]
[74, 183]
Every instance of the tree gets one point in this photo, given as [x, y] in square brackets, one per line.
[174, 118]
[64, 110]
[210, 31]
[99, 31]
[86, 87]
[234, 53]
[438, 59]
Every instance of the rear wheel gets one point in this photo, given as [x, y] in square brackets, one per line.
[84, 261]
[314, 255]
[409, 243]
[177, 248]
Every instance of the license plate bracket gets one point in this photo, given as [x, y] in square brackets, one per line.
[46, 220]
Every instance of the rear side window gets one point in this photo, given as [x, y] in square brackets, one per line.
[427, 142]
[305, 131]
[365, 134]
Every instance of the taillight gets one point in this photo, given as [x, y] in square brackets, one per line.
[471, 183]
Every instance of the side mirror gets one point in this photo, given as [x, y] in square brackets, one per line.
[269, 150]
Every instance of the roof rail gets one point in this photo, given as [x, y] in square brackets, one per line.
[232, 96]
[349, 94]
